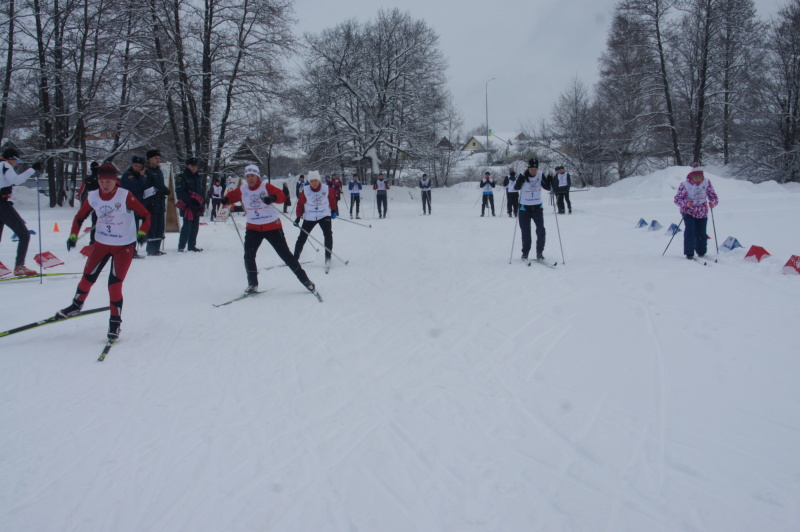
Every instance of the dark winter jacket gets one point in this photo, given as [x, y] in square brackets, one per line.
[487, 186]
[154, 178]
[189, 191]
[133, 182]
[510, 178]
[526, 176]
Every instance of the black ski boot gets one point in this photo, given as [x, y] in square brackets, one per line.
[114, 324]
[70, 311]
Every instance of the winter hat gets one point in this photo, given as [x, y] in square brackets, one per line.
[533, 163]
[137, 159]
[10, 153]
[252, 169]
[697, 170]
[313, 175]
[559, 167]
[108, 171]
[153, 153]
[191, 161]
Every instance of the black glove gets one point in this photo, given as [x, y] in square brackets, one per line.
[224, 200]
[194, 203]
[37, 166]
[72, 241]
[141, 238]
[269, 199]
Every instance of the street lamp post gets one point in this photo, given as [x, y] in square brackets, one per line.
[487, 119]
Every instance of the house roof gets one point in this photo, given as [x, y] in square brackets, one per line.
[478, 142]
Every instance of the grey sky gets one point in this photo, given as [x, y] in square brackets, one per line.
[533, 49]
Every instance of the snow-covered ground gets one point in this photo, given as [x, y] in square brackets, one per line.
[437, 388]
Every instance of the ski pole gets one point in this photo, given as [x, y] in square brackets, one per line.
[230, 215]
[513, 239]
[315, 248]
[714, 225]
[346, 262]
[354, 223]
[477, 200]
[673, 236]
[39, 216]
[558, 230]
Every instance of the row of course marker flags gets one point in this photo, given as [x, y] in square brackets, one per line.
[754, 254]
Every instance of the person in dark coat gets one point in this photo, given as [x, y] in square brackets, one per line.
[155, 194]
[189, 191]
[529, 185]
[8, 214]
[486, 185]
[134, 180]
[512, 196]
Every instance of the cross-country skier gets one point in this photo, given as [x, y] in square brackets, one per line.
[355, 187]
[316, 205]
[115, 238]
[512, 196]
[380, 187]
[486, 185]
[8, 214]
[530, 185]
[694, 197]
[263, 223]
[425, 189]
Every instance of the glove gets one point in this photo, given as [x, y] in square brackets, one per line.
[141, 238]
[224, 200]
[37, 166]
[269, 199]
[334, 214]
[71, 241]
[194, 203]
[521, 207]
[297, 222]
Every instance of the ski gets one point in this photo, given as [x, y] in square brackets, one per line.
[543, 263]
[106, 349]
[283, 265]
[54, 319]
[316, 294]
[703, 261]
[36, 276]
[243, 296]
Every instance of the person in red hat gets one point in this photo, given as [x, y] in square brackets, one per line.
[115, 238]
[694, 197]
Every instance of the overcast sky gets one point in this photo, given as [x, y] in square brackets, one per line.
[533, 49]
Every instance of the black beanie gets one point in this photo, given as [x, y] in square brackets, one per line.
[533, 163]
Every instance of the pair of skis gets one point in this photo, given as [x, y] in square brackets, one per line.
[543, 262]
[251, 294]
[36, 276]
[56, 319]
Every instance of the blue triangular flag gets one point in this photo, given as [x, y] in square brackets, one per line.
[15, 238]
[730, 244]
[673, 229]
[642, 223]
[655, 226]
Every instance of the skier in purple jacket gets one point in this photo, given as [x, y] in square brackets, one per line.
[694, 197]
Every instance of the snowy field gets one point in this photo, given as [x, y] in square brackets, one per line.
[437, 388]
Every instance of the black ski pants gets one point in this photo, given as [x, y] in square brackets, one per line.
[355, 200]
[560, 197]
[526, 214]
[381, 200]
[426, 200]
[308, 225]
[512, 203]
[10, 217]
[252, 241]
[488, 199]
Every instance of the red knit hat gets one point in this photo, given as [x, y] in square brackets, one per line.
[108, 171]
[697, 170]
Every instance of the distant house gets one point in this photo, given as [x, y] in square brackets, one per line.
[496, 140]
[445, 144]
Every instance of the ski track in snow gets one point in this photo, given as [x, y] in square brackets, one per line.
[436, 388]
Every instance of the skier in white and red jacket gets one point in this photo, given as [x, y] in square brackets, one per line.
[263, 223]
[694, 197]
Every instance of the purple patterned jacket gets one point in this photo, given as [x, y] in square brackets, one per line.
[697, 209]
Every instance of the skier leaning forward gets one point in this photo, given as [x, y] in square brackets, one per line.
[114, 239]
[263, 223]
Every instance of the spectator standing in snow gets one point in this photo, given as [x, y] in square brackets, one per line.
[189, 190]
[134, 181]
[694, 197]
[561, 185]
[355, 187]
[263, 223]
[425, 189]
[155, 194]
[529, 185]
[316, 205]
[115, 237]
[486, 185]
[512, 196]
[8, 214]
[381, 187]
